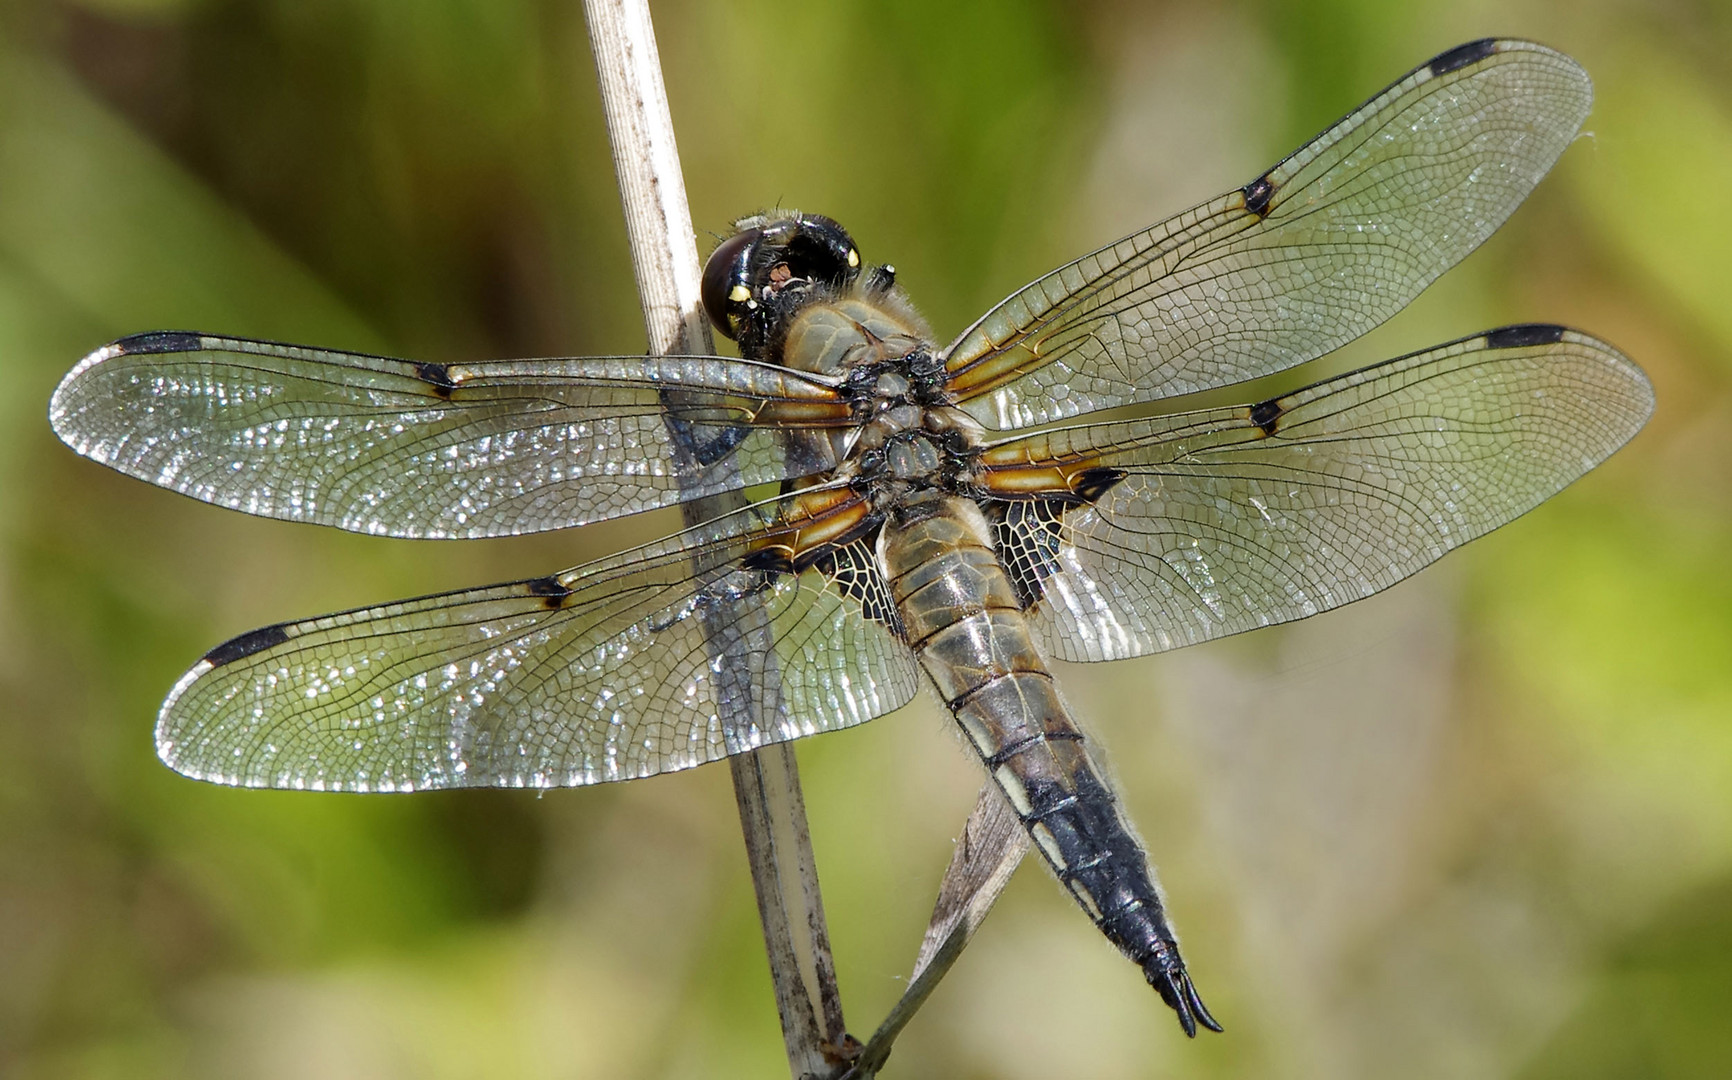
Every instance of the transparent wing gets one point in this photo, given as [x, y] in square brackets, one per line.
[1208, 523]
[1318, 250]
[393, 447]
[660, 658]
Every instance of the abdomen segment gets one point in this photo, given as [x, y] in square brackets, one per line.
[962, 619]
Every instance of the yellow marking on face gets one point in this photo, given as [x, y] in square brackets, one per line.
[739, 293]
[853, 258]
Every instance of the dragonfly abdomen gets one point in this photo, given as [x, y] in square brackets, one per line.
[962, 618]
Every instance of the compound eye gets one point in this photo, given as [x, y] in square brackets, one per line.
[725, 289]
[827, 250]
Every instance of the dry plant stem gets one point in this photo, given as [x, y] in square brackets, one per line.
[665, 260]
[779, 849]
[767, 781]
[991, 846]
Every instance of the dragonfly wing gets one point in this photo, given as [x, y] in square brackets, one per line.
[1203, 524]
[398, 448]
[660, 658]
[1324, 246]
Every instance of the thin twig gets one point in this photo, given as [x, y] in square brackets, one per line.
[766, 782]
[991, 846]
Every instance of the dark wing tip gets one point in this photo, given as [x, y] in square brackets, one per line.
[1524, 334]
[253, 641]
[1462, 55]
[159, 341]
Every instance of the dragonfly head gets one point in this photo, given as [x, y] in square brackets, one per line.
[759, 276]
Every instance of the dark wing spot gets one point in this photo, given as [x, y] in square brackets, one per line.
[1462, 55]
[438, 376]
[551, 589]
[769, 560]
[1027, 536]
[853, 571]
[1267, 415]
[1258, 194]
[159, 341]
[1091, 484]
[1516, 337]
[253, 641]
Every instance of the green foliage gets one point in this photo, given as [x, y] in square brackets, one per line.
[1517, 865]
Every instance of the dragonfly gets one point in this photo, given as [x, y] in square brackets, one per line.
[906, 514]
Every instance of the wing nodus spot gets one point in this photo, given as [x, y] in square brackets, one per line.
[1267, 415]
[552, 591]
[1258, 195]
[438, 376]
[247, 644]
[159, 341]
[1516, 337]
[1462, 55]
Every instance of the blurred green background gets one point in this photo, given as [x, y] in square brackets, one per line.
[1480, 826]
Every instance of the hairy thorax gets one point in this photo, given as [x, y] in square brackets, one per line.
[910, 439]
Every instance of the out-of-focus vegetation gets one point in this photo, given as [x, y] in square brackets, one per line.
[1478, 827]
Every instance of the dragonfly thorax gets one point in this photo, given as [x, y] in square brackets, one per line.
[910, 436]
[907, 447]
